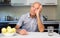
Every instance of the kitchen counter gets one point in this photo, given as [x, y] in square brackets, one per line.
[10, 22]
[33, 35]
[44, 22]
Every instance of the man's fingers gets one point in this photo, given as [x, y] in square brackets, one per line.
[23, 32]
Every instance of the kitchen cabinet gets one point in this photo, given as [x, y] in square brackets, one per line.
[43, 2]
[56, 27]
[4, 2]
[18, 2]
[55, 24]
[29, 2]
[49, 2]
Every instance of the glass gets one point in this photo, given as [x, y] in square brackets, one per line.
[50, 30]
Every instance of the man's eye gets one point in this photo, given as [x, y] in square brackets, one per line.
[37, 8]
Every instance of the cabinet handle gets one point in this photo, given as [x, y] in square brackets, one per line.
[49, 3]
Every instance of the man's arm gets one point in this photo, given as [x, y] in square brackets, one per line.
[18, 25]
[40, 25]
[17, 28]
[20, 31]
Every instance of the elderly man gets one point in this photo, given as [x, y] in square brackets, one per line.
[32, 21]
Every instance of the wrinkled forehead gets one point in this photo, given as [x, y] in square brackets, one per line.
[36, 3]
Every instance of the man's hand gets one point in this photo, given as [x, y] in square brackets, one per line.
[39, 22]
[38, 11]
[23, 32]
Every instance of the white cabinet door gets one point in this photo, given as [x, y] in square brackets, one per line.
[43, 2]
[29, 2]
[18, 2]
[50, 2]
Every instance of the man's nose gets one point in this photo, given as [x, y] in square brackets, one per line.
[34, 9]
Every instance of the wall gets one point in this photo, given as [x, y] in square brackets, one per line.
[58, 11]
[51, 11]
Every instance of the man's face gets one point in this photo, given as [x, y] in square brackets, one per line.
[34, 7]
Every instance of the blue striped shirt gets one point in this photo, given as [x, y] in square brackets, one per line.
[28, 23]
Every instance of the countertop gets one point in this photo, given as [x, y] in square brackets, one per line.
[33, 35]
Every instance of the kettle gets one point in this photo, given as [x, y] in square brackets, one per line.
[9, 18]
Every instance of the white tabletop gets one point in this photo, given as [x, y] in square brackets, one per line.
[33, 35]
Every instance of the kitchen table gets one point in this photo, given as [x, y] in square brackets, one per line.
[32, 35]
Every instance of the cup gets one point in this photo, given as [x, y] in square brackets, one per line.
[50, 30]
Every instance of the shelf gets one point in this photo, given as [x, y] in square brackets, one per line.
[44, 22]
[54, 29]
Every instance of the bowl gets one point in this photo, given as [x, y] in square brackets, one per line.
[9, 34]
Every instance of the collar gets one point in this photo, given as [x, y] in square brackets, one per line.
[28, 15]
